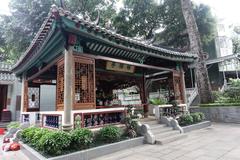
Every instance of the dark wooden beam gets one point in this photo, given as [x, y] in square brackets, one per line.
[128, 62]
[44, 69]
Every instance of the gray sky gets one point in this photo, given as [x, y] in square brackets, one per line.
[228, 9]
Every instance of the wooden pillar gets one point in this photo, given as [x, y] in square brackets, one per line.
[68, 88]
[144, 97]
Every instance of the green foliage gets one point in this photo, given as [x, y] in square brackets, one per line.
[13, 125]
[37, 136]
[192, 118]
[55, 142]
[196, 117]
[19, 28]
[81, 138]
[131, 123]
[220, 105]
[158, 101]
[230, 95]
[185, 120]
[109, 134]
[236, 40]
[202, 116]
[28, 134]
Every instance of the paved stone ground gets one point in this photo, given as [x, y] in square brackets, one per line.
[11, 155]
[218, 142]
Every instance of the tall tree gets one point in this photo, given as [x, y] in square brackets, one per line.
[236, 40]
[19, 28]
[203, 83]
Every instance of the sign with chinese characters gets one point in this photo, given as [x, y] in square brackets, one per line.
[120, 67]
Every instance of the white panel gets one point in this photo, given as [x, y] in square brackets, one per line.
[48, 98]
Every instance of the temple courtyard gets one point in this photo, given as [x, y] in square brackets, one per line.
[218, 142]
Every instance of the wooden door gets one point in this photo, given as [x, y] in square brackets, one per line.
[3, 98]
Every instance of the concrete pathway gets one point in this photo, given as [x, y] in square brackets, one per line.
[218, 142]
[11, 155]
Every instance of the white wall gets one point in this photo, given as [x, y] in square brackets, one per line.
[14, 90]
[48, 98]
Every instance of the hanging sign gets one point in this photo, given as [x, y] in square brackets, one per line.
[120, 67]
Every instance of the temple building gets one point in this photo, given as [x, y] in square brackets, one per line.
[90, 70]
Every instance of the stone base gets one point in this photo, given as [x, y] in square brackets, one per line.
[90, 153]
[67, 127]
[200, 125]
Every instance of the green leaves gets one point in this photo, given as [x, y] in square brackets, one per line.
[109, 134]
[81, 138]
[158, 101]
[192, 118]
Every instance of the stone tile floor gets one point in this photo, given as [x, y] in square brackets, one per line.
[218, 142]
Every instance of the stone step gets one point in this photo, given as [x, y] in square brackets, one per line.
[161, 141]
[4, 124]
[160, 129]
[163, 135]
[150, 122]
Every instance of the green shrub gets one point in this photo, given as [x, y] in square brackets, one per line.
[28, 133]
[196, 117]
[185, 120]
[37, 136]
[201, 115]
[13, 125]
[109, 134]
[81, 138]
[55, 142]
[158, 101]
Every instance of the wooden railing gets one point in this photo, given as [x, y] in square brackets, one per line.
[98, 118]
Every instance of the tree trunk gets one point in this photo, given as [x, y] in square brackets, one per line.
[203, 83]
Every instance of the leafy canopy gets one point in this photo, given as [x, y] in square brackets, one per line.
[159, 22]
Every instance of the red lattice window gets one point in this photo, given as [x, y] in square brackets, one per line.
[25, 95]
[60, 85]
[84, 81]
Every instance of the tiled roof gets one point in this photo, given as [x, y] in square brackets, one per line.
[110, 33]
[55, 11]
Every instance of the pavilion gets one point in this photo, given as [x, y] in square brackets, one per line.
[86, 63]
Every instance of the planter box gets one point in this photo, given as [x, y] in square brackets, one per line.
[220, 114]
[92, 152]
[193, 127]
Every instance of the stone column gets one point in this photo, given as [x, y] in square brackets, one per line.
[68, 88]
[22, 95]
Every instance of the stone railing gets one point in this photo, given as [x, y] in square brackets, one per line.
[33, 118]
[53, 121]
[91, 118]
[168, 110]
[191, 94]
[97, 118]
